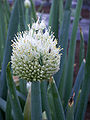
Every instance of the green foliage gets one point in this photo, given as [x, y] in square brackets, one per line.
[63, 41]
[61, 12]
[70, 63]
[79, 79]
[36, 107]
[17, 113]
[45, 104]
[33, 13]
[51, 103]
[57, 101]
[50, 99]
[70, 112]
[27, 108]
[21, 15]
[12, 30]
[27, 10]
[2, 31]
[3, 104]
[81, 55]
[54, 13]
[8, 109]
[82, 104]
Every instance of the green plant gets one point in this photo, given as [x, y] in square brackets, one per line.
[48, 97]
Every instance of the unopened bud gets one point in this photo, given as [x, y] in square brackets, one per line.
[27, 3]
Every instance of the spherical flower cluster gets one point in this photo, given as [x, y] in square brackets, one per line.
[35, 56]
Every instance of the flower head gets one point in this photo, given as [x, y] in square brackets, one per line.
[27, 3]
[35, 56]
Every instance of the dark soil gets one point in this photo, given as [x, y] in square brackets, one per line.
[85, 13]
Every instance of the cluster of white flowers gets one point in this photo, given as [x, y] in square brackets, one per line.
[35, 56]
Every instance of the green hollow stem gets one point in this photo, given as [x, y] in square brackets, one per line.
[36, 108]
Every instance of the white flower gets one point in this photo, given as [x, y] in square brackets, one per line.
[35, 56]
[42, 25]
[27, 3]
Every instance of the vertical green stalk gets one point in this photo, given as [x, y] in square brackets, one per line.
[64, 39]
[23, 90]
[45, 104]
[81, 54]
[7, 10]
[36, 108]
[57, 101]
[27, 108]
[70, 63]
[17, 112]
[12, 30]
[62, 82]
[70, 111]
[3, 104]
[2, 31]
[34, 16]
[61, 11]
[27, 17]
[8, 115]
[85, 87]
[79, 80]
[77, 101]
[30, 17]
[54, 17]
[51, 103]
[21, 15]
